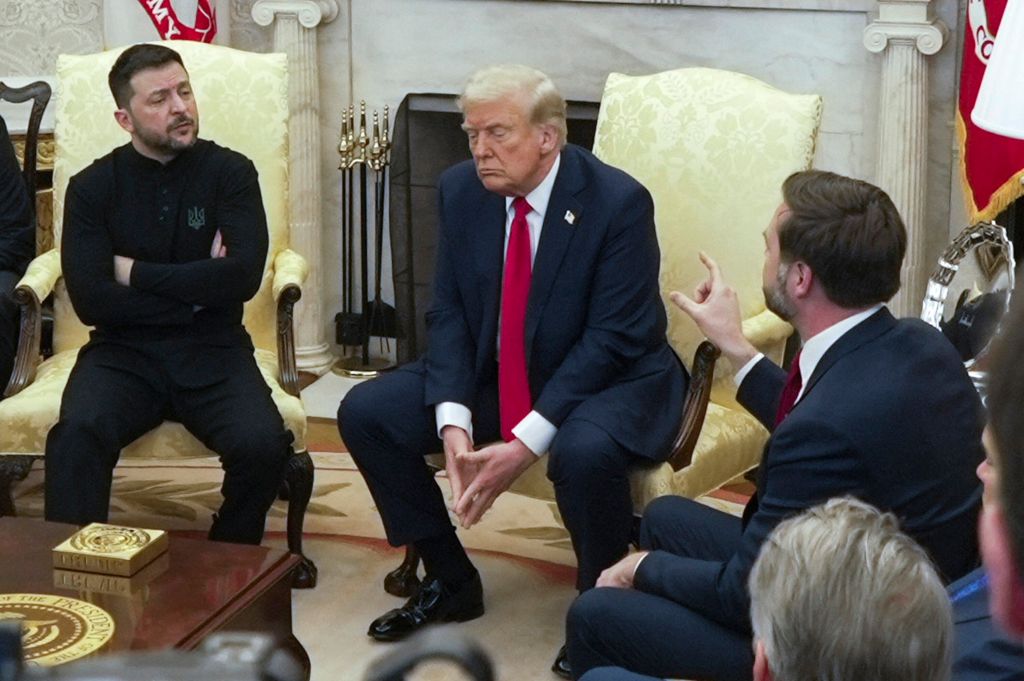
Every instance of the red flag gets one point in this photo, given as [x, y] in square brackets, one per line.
[991, 166]
[170, 27]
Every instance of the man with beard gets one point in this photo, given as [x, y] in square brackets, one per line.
[873, 407]
[164, 239]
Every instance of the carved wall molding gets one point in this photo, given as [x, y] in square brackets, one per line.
[295, 23]
[36, 31]
[928, 38]
[905, 33]
[310, 13]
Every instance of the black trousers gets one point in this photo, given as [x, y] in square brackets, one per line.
[388, 430]
[116, 393]
[643, 633]
[8, 325]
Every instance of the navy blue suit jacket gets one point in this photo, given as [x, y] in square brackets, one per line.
[595, 322]
[982, 652]
[888, 416]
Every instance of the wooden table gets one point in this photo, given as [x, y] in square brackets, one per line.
[197, 588]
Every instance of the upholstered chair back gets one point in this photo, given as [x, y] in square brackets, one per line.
[242, 99]
[713, 147]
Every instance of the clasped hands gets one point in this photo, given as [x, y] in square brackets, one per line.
[477, 477]
[123, 264]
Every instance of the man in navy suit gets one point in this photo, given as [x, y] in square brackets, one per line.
[822, 575]
[875, 408]
[564, 355]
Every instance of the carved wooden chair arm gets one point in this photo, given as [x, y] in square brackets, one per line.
[40, 278]
[290, 270]
[695, 406]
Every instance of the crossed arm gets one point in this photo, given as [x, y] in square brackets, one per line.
[109, 288]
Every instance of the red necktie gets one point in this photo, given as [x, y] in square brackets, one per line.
[513, 386]
[790, 391]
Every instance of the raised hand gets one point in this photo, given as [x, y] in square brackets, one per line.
[716, 310]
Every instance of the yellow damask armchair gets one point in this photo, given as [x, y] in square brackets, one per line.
[713, 147]
[243, 104]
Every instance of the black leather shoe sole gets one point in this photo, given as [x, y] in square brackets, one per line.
[561, 665]
[400, 633]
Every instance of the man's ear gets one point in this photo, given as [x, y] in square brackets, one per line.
[124, 120]
[762, 672]
[548, 139]
[803, 278]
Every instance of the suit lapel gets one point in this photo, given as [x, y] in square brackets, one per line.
[489, 258]
[555, 236]
[871, 328]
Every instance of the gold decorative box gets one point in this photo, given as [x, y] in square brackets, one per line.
[109, 549]
[115, 585]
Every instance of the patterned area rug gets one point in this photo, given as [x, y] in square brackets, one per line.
[520, 547]
[150, 493]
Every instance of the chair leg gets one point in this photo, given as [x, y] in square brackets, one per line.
[12, 469]
[402, 581]
[299, 479]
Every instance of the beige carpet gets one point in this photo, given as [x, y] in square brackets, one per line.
[521, 550]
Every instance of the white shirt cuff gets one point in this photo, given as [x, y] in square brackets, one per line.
[637, 566]
[453, 414]
[536, 432]
[742, 373]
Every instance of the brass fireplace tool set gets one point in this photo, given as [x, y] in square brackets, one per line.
[364, 152]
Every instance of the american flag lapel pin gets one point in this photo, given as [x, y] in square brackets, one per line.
[570, 217]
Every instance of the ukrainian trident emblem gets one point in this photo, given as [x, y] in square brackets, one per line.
[196, 217]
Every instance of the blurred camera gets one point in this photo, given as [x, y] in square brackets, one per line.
[224, 656]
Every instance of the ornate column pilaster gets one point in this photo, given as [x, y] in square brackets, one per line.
[905, 32]
[295, 23]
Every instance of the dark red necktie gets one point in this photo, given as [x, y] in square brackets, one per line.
[790, 391]
[513, 386]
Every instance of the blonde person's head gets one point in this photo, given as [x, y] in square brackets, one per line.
[838, 593]
[544, 104]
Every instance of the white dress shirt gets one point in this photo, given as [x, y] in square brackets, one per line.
[814, 348]
[534, 431]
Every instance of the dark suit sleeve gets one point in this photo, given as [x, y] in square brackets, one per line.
[624, 319]
[235, 278]
[760, 391]
[451, 350]
[805, 465]
[17, 234]
[87, 261]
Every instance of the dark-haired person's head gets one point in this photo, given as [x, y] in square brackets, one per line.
[847, 231]
[154, 100]
[1002, 472]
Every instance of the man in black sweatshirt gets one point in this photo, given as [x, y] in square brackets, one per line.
[164, 239]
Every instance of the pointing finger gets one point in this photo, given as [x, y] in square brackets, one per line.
[709, 262]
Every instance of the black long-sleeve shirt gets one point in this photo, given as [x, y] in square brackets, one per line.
[165, 217]
[17, 232]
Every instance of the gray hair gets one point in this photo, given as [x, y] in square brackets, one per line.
[545, 105]
[838, 593]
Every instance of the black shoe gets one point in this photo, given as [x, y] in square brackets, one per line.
[433, 602]
[561, 665]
